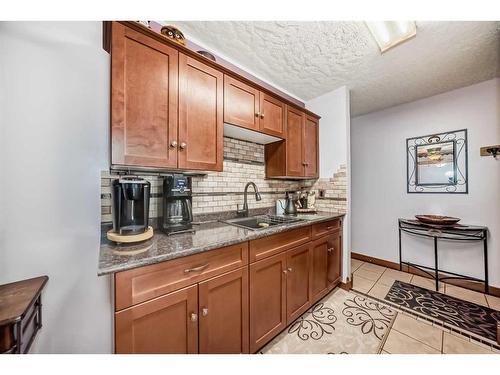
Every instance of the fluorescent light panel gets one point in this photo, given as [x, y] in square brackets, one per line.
[389, 34]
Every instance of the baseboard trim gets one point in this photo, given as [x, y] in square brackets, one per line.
[472, 285]
[377, 261]
[347, 285]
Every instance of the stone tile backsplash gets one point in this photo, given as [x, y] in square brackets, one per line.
[223, 191]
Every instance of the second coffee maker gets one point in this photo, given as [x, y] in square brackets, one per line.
[177, 204]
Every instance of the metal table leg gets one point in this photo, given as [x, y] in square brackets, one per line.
[436, 276]
[400, 266]
[485, 242]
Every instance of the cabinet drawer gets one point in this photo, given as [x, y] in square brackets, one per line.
[144, 283]
[326, 227]
[267, 246]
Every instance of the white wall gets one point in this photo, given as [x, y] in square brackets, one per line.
[379, 195]
[334, 146]
[54, 118]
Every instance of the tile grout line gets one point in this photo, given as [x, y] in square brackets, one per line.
[420, 341]
[376, 281]
[442, 342]
[384, 340]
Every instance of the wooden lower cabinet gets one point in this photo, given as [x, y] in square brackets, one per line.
[326, 264]
[223, 312]
[267, 300]
[320, 284]
[228, 310]
[334, 271]
[298, 281]
[166, 324]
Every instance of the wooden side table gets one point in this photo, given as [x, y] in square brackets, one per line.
[20, 314]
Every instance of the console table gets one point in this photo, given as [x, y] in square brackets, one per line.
[457, 232]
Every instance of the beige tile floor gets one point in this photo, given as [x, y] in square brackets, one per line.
[412, 335]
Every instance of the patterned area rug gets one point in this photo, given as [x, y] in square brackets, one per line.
[341, 323]
[468, 316]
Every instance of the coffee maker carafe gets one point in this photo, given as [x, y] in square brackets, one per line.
[130, 209]
[177, 204]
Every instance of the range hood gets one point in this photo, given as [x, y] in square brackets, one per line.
[233, 131]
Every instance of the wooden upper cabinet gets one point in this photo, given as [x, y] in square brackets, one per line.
[241, 104]
[246, 106]
[200, 115]
[164, 325]
[267, 300]
[272, 116]
[294, 142]
[298, 155]
[144, 84]
[310, 147]
[223, 311]
[298, 281]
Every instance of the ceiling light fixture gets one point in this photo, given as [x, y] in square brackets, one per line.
[389, 34]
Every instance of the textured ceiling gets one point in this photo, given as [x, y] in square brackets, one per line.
[308, 59]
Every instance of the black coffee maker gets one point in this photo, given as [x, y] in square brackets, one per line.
[177, 204]
[130, 200]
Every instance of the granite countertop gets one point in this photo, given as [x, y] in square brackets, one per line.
[207, 236]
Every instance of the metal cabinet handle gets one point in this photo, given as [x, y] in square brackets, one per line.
[257, 114]
[331, 249]
[262, 115]
[290, 269]
[196, 269]
[285, 271]
[173, 144]
[194, 317]
[204, 311]
[183, 145]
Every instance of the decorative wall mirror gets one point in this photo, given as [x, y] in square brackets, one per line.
[437, 163]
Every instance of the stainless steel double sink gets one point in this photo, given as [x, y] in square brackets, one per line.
[262, 221]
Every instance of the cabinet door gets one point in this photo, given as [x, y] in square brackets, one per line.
[320, 284]
[295, 126]
[144, 84]
[298, 281]
[241, 104]
[310, 146]
[267, 300]
[272, 116]
[223, 311]
[334, 258]
[166, 325]
[200, 115]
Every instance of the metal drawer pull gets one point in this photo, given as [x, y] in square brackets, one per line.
[262, 115]
[285, 271]
[257, 114]
[290, 269]
[173, 144]
[204, 311]
[194, 317]
[330, 249]
[183, 145]
[196, 269]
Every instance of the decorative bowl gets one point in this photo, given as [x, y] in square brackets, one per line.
[207, 54]
[437, 219]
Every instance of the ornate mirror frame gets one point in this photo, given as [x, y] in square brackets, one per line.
[459, 185]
